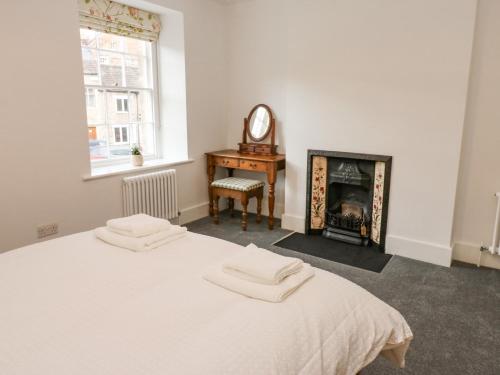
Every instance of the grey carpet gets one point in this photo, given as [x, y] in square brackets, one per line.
[454, 313]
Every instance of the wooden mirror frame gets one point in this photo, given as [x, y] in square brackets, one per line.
[257, 148]
[247, 120]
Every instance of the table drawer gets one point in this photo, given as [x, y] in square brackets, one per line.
[251, 165]
[227, 162]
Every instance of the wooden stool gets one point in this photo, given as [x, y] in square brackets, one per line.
[237, 188]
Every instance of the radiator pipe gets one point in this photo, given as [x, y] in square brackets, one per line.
[494, 249]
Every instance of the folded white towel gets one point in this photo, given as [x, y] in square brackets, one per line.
[261, 266]
[141, 243]
[139, 225]
[271, 293]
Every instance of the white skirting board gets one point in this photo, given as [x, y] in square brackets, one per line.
[405, 247]
[293, 222]
[419, 250]
[469, 253]
[193, 213]
[199, 211]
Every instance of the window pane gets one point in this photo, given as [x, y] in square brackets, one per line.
[90, 68]
[90, 97]
[115, 112]
[136, 72]
[111, 41]
[119, 151]
[147, 137]
[95, 113]
[111, 68]
[134, 134]
[97, 142]
[88, 38]
[141, 106]
[118, 117]
[120, 146]
[135, 46]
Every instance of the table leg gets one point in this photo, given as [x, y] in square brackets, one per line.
[230, 200]
[259, 206]
[211, 174]
[244, 214]
[216, 210]
[271, 180]
[270, 200]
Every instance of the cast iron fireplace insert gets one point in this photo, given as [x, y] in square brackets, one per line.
[348, 197]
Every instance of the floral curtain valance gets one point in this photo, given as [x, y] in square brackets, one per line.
[111, 17]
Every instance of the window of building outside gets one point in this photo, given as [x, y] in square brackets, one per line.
[122, 104]
[120, 94]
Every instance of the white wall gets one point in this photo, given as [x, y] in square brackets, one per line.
[479, 170]
[384, 77]
[43, 136]
[368, 76]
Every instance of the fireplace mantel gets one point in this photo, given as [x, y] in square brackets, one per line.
[320, 177]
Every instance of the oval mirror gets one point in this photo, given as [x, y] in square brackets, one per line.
[259, 122]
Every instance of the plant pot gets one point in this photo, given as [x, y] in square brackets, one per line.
[137, 160]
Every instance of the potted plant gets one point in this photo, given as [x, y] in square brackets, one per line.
[136, 157]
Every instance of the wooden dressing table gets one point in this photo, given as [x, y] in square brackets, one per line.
[233, 159]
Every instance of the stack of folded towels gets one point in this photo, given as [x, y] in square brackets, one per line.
[139, 232]
[260, 274]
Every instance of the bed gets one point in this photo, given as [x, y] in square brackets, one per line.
[75, 305]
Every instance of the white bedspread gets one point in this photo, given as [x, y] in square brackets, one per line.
[78, 306]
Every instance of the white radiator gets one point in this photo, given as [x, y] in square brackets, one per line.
[154, 194]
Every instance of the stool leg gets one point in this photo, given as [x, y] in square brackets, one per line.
[259, 208]
[244, 215]
[216, 209]
[231, 206]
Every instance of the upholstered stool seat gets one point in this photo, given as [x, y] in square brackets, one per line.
[240, 184]
[237, 188]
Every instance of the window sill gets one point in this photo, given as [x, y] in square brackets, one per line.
[115, 170]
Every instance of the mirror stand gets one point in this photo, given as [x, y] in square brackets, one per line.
[257, 148]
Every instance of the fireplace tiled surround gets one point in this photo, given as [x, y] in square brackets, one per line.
[348, 197]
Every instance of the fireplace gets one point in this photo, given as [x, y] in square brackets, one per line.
[348, 197]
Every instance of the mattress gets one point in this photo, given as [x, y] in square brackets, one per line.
[75, 305]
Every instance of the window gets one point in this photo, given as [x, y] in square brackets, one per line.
[122, 105]
[90, 96]
[120, 134]
[120, 94]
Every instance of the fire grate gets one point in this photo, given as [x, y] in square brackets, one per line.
[349, 221]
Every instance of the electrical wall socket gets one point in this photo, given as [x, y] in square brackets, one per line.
[47, 230]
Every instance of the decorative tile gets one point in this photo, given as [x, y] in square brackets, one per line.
[378, 201]
[318, 192]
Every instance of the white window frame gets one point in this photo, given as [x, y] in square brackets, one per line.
[121, 127]
[154, 91]
[123, 99]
